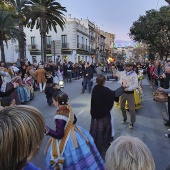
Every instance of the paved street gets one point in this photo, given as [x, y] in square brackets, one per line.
[148, 127]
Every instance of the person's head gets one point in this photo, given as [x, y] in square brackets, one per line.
[167, 68]
[87, 64]
[55, 86]
[26, 75]
[60, 98]
[100, 80]
[7, 101]
[129, 66]
[127, 153]
[4, 68]
[22, 132]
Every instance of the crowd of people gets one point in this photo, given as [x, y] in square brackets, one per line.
[70, 146]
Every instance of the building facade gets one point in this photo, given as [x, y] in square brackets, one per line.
[80, 40]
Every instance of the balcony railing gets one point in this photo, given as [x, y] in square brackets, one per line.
[65, 45]
[92, 50]
[82, 46]
[48, 46]
[33, 46]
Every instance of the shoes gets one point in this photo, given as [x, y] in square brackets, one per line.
[167, 135]
[131, 126]
[124, 121]
[167, 124]
[82, 92]
[168, 129]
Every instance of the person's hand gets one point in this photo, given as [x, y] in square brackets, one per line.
[125, 89]
[124, 82]
[16, 85]
[163, 75]
[160, 89]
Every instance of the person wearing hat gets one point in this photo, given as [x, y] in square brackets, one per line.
[132, 83]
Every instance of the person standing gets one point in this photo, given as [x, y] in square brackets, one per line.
[70, 147]
[102, 101]
[41, 79]
[128, 94]
[88, 75]
[69, 71]
[166, 89]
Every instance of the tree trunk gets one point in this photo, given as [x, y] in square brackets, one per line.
[21, 40]
[2, 51]
[43, 40]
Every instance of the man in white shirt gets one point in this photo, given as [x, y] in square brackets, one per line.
[132, 83]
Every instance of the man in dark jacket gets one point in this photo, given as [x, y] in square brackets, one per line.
[88, 75]
[50, 90]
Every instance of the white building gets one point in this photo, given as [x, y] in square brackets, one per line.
[74, 43]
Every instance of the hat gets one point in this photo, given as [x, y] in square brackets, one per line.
[129, 64]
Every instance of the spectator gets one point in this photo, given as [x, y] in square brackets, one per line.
[129, 153]
[22, 132]
[88, 75]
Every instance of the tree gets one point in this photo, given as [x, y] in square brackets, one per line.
[154, 30]
[45, 15]
[20, 16]
[8, 29]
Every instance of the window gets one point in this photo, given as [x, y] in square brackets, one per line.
[86, 44]
[33, 46]
[77, 41]
[48, 40]
[32, 40]
[64, 41]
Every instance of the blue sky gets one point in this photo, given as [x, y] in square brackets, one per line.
[114, 16]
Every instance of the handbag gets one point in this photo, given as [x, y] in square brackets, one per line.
[159, 96]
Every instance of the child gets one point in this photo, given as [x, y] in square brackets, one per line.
[71, 147]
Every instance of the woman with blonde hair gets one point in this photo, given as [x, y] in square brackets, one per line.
[22, 132]
[129, 153]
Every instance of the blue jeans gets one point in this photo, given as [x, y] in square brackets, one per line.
[69, 75]
[88, 82]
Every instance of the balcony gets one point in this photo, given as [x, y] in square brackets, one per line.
[48, 46]
[82, 46]
[93, 51]
[32, 47]
[91, 38]
[65, 45]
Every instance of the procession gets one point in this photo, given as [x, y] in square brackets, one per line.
[84, 85]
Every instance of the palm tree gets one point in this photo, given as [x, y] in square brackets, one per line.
[8, 29]
[19, 7]
[46, 15]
